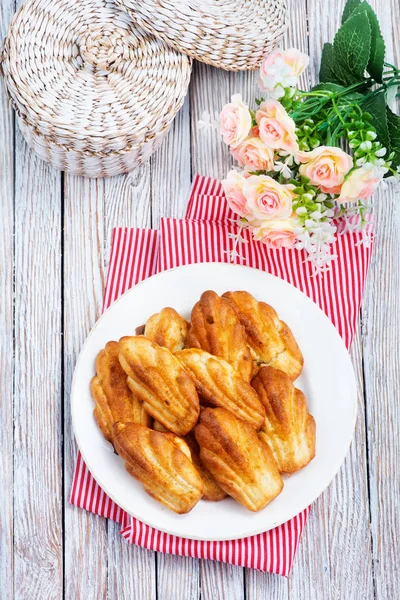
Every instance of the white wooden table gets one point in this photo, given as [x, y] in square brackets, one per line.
[55, 235]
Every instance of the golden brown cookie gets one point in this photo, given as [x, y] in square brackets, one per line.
[289, 429]
[114, 400]
[270, 340]
[239, 461]
[167, 328]
[212, 491]
[157, 378]
[216, 329]
[218, 384]
[157, 461]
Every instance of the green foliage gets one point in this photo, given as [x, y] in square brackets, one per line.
[326, 71]
[394, 134]
[375, 105]
[351, 49]
[377, 51]
[358, 47]
[350, 68]
[349, 8]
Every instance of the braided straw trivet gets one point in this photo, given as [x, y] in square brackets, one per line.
[94, 94]
[229, 34]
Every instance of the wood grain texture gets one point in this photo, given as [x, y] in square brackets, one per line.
[171, 170]
[38, 552]
[381, 351]
[85, 534]
[6, 328]
[350, 548]
[381, 345]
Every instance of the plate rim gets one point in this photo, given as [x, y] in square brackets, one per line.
[256, 531]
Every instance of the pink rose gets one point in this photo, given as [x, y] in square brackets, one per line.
[277, 233]
[361, 183]
[233, 188]
[254, 155]
[325, 167]
[277, 129]
[266, 198]
[281, 69]
[235, 121]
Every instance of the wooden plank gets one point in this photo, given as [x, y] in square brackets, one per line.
[220, 581]
[381, 345]
[38, 386]
[85, 533]
[171, 170]
[209, 90]
[127, 203]
[131, 569]
[6, 327]
[381, 339]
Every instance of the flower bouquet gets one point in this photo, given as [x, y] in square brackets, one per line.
[311, 160]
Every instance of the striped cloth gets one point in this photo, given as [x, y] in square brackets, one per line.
[204, 236]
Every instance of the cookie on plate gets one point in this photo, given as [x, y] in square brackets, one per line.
[241, 463]
[270, 340]
[215, 328]
[114, 400]
[157, 378]
[289, 429]
[157, 461]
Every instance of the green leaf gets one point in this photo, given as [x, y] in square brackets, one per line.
[377, 55]
[351, 49]
[394, 134]
[349, 8]
[329, 87]
[337, 89]
[326, 72]
[375, 105]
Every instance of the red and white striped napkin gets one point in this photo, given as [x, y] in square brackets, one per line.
[204, 236]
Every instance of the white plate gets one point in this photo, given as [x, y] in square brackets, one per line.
[327, 380]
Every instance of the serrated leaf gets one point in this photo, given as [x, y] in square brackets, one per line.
[349, 8]
[375, 105]
[377, 55]
[326, 72]
[394, 134]
[351, 49]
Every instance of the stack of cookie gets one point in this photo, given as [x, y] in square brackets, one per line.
[207, 408]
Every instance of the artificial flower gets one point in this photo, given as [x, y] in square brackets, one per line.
[233, 188]
[281, 69]
[278, 233]
[277, 129]
[235, 119]
[361, 183]
[254, 155]
[267, 198]
[325, 167]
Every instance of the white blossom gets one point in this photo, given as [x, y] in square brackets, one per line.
[207, 122]
[282, 167]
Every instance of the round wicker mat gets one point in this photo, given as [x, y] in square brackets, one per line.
[230, 34]
[94, 94]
